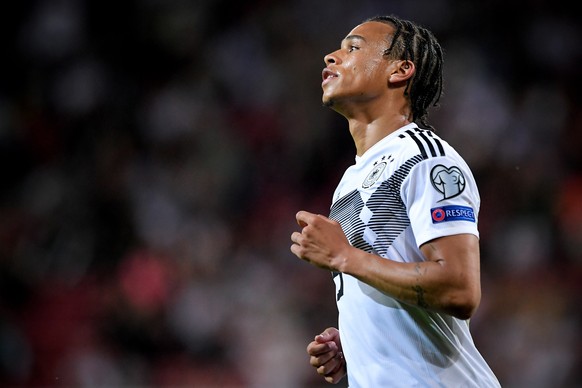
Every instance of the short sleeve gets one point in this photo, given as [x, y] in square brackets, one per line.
[441, 198]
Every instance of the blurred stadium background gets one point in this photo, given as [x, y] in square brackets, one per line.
[153, 154]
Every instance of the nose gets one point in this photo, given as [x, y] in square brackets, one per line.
[330, 58]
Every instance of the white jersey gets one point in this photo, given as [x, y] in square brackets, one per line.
[409, 188]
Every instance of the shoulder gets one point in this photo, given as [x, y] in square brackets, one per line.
[415, 141]
[431, 158]
[425, 147]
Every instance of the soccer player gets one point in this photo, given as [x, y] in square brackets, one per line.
[401, 239]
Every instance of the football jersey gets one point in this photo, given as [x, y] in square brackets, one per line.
[407, 189]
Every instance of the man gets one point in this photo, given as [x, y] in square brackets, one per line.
[402, 239]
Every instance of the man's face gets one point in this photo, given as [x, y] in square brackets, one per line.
[358, 71]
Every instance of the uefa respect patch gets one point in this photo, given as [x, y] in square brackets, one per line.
[452, 213]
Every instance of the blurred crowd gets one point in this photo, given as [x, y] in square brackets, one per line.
[153, 154]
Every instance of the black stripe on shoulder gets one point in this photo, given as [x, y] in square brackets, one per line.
[437, 141]
[418, 143]
[427, 143]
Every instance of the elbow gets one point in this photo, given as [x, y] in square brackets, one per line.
[463, 304]
[464, 312]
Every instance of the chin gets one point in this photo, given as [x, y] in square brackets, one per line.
[329, 102]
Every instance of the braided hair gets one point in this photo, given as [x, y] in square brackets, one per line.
[418, 45]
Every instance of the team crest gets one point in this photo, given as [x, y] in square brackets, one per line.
[450, 182]
[374, 175]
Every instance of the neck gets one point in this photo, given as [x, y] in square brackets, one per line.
[373, 119]
[367, 133]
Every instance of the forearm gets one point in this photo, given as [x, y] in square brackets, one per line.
[447, 281]
[432, 285]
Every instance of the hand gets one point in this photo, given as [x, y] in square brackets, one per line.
[321, 242]
[326, 355]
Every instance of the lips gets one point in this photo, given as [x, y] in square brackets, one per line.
[327, 74]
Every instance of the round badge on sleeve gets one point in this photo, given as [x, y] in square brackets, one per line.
[438, 215]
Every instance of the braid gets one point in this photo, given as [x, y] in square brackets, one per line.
[418, 45]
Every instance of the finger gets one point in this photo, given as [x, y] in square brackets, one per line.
[338, 372]
[322, 357]
[335, 377]
[295, 237]
[317, 349]
[304, 218]
[326, 368]
[297, 251]
[332, 366]
[322, 360]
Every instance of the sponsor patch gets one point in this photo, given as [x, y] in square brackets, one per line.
[452, 213]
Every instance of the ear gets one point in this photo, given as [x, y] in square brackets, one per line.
[401, 71]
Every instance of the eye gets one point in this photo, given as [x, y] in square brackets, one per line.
[352, 48]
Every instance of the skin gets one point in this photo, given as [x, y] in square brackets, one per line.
[367, 88]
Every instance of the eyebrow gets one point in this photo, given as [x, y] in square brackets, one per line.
[351, 37]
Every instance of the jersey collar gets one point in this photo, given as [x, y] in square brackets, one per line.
[372, 151]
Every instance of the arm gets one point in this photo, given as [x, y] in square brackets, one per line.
[448, 281]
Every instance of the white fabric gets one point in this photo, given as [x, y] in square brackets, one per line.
[407, 189]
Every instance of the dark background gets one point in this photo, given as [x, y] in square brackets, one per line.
[153, 155]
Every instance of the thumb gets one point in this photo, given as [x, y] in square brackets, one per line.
[329, 334]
